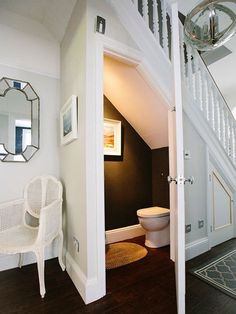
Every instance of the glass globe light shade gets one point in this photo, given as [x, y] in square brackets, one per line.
[211, 24]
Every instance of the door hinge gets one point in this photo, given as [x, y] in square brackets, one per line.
[211, 228]
[209, 177]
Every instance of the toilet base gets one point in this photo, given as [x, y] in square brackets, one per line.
[157, 239]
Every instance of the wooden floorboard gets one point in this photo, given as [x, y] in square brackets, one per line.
[202, 297]
[146, 286]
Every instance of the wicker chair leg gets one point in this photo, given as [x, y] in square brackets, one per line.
[60, 250]
[40, 263]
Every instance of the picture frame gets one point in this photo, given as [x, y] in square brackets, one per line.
[112, 137]
[69, 121]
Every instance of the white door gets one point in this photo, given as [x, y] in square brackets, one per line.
[221, 209]
[176, 162]
[177, 208]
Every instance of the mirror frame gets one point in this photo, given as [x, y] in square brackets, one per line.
[31, 96]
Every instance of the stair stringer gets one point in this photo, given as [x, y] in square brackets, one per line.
[156, 63]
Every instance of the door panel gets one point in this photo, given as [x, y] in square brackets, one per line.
[221, 209]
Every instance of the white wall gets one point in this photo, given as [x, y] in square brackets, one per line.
[224, 76]
[26, 57]
[27, 45]
[45, 161]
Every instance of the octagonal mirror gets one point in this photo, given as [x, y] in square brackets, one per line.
[19, 120]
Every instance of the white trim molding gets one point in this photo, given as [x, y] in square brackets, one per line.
[124, 233]
[87, 288]
[196, 248]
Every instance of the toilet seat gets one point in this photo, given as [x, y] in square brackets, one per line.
[153, 212]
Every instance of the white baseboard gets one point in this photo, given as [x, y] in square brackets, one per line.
[8, 261]
[196, 248]
[87, 288]
[124, 233]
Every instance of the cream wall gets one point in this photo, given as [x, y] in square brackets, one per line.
[73, 156]
[78, 159]
[196, 194]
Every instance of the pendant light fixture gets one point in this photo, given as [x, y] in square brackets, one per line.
[211, 24]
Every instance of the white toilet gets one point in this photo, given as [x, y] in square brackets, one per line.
[156, 222]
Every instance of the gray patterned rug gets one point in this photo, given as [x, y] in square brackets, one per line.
[220, 273]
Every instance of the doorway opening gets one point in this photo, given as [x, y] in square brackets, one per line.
[135, 172]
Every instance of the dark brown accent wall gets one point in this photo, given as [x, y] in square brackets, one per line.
[160, 172]
[128, 180]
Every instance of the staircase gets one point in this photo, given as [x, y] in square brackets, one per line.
[203, 93]
[202, 99]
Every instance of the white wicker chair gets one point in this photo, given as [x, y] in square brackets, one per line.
[42, 202]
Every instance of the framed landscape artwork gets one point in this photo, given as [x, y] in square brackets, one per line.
[69, 121]
[112, 137]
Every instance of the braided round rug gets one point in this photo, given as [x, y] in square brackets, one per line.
[123, 253]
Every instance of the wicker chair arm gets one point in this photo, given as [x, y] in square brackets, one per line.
[11, 214]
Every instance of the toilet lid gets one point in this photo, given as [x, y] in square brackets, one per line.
[153, 212]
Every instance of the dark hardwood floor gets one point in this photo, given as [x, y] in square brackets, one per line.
[203, 298]
[146, 286]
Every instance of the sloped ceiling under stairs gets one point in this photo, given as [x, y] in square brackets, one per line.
[136, 101]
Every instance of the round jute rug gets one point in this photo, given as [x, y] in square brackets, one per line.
[123, 253]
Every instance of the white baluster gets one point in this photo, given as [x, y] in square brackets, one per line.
[227, 132]
[216, 115]
[231, 140]
[204, 95]
[234, 140]
[221, 113]
[164, 27]
[210, 104]
[145, 11]
[224, 127]
[214, 110]
[207, 88]
[189, 68]
[156, 26]
[194, 92]
[197, 80]
[201, 88]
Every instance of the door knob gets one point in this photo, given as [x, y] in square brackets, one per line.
[170, 179]
[189, 180]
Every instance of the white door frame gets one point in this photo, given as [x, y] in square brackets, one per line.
[115, 49]
[105, 45]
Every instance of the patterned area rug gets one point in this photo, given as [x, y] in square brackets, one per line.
[220, 273]
[123, 253]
